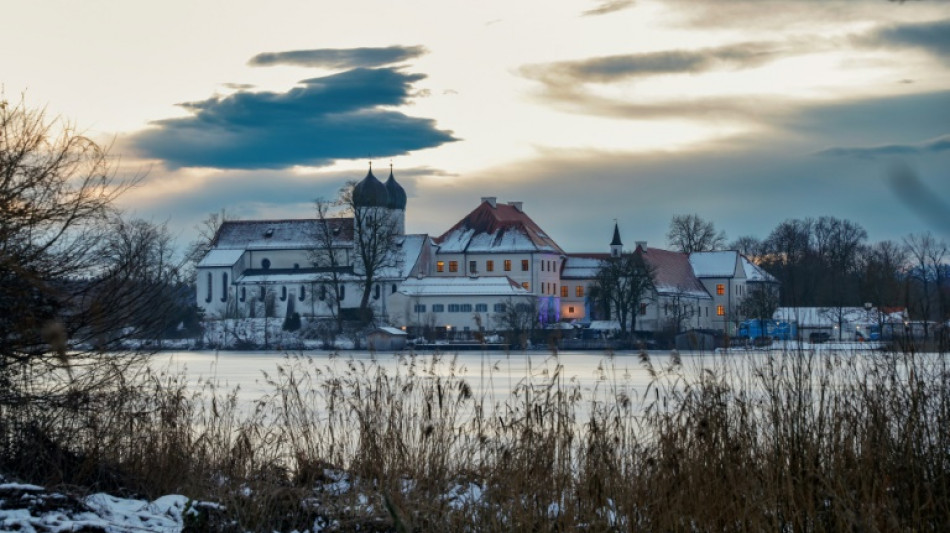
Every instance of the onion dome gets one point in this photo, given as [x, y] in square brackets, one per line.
[370, 192]
[397, 195]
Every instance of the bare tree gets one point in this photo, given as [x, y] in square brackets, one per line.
[926, 254]
[375, 245]
[71, 279]
[198, 248]
[679, 307]
[622, 283]
[690, 233]
[518, 321]
[749, 246]
[330, 257]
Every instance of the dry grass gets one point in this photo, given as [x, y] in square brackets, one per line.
[787, 441]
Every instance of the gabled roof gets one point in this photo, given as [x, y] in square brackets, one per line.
[407, 255]
[755, 273]
[270, 234]
[714, 264]
[673, 273]
[221, 258]
[582, 266]
[498, 228]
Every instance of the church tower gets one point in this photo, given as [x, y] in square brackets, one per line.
[397, 203]
[616, 246]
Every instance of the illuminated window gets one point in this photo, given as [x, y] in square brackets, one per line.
[720, 310]
[570, 310]
[579, 291]
[440, 266]
[453, 266]
[524, 265]
[563, 291]
[507, 265]
[489, 266]
[525, 285]
[720, 289]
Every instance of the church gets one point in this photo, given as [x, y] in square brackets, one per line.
[455, 284]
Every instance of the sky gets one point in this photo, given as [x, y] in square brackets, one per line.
[746, 113]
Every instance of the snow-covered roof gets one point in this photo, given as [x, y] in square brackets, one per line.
[279, 234]
[582, 266]
[673, 274]
[755, 273]
[221, 258]
[494, 227]
[462, 286]
[391, 331]
[824, 317]
[714, 264]
[408, 254]
[605, 325]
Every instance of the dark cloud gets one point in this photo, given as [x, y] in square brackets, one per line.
[609, 69]
[566, 84]
[325, 119]
[238, 86]
[337, 58]
[933, 36]
[940, 144]
[609, 6]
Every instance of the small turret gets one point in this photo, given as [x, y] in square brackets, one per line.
[616, 245]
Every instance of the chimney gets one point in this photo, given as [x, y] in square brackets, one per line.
[492, 201]
[517, 206]
[642, 245]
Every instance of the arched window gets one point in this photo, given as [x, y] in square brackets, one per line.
[224, 287]
[283, 293]
[210, 288]
[303, 293]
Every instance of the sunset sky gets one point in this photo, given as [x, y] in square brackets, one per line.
[746, 113]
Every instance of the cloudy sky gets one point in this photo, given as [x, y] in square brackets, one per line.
[744, 112]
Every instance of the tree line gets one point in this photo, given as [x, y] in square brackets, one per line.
[829, 262]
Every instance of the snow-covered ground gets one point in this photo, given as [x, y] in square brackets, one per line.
[33, 509]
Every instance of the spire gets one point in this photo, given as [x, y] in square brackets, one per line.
[616, 246]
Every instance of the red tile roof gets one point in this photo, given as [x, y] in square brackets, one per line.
[499, 228]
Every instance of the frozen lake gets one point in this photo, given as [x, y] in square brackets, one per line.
[492, 374]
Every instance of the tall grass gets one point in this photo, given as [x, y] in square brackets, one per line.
[782, 441]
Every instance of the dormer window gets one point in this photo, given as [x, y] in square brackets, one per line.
[269, 233]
